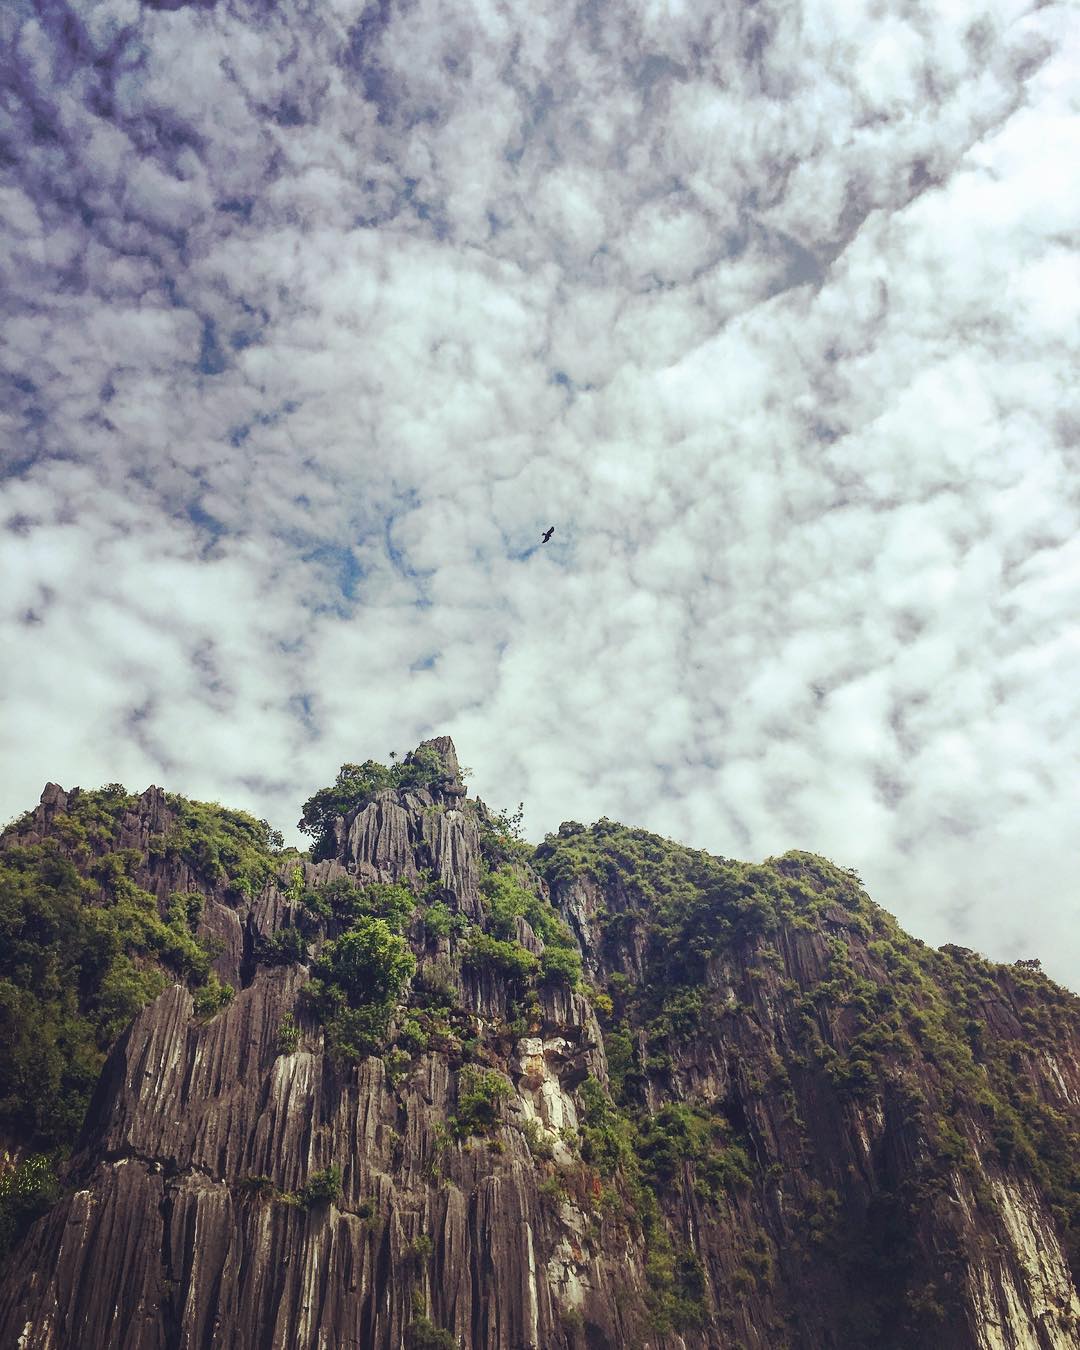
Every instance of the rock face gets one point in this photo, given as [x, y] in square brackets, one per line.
[840, 1210]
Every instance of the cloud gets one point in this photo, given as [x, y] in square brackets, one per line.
[313, 322]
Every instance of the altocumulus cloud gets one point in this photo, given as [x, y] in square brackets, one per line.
[315, 316]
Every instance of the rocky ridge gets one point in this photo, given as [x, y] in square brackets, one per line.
[748, 1124]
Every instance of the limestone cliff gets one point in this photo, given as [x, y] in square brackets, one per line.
[760, 1116]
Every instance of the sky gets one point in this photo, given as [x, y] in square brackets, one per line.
[314, 316]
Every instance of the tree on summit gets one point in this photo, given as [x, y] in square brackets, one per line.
[357, 784]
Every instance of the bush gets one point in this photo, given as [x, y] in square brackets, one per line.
[412, 1036]
[79, 956]
[425, 1335]
[323, 1188]
[26, 1191]
[620, 1051]
[288, 1035]
[285, 947]
[481, 951]
[440, 922]
[481, 1093]
[257, 1187]
[211, 997]
[502, 838]
[396, 1062]
[345, 901]
[420, 1248]
[552, 1191]
[219, 844]
[369, 964]
[538, 1140]
[437, 983]
[353, 1033]
[507, 899]
[560, 965]
[605, 1138]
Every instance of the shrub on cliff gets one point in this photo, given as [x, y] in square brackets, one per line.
[211, 997]
[25, 1192]
[357, 980]
[502, 839]
[344, 901]
[323, 1188]
[219, 844]
[481, 951]
[369, 964]
[506, 898]
[284, 947]
[78, 958]
[481, 1093]
[425, 1335]
[561, 965]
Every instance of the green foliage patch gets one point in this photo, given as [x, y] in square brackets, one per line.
[219, 844]
[288, 1035]
[79, 955]
[481, 951]
[26, 1191]
[502, 839]
[343, 901]
[212, 997]
[425, 1335]
[481, 1093]
[322, 1188]
[357, 980]
[358, 784]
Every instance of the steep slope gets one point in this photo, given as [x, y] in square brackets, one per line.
[609, 1092]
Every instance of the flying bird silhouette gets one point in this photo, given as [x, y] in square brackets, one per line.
[550, 531]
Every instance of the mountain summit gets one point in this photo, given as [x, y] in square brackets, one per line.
[428, 1086]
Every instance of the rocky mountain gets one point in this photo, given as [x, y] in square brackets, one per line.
[429, 1086]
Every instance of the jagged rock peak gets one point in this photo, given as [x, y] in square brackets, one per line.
[444, 748]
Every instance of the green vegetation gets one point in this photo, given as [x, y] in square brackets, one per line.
[412, 1037]
[357, 980]
[288, 1035]
[212, 996]
[322, 1188]
[83, 946]
[509, 898]
[425, 1335]
[358, 784]
[419, 1249]
[368, 964]
[540, 1144]
[506, 899]
[692, 904]
[362, 973]
[481, 951]
[675, 1286]
[343, 901]
[219, 844]
[481, 1093]
[502, 840]
[25, 1192]
[284, 947]
[560, 965]
[440, 922]
[257, 1187]
[79, 955]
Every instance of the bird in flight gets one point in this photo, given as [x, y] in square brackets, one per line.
[547, 535]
